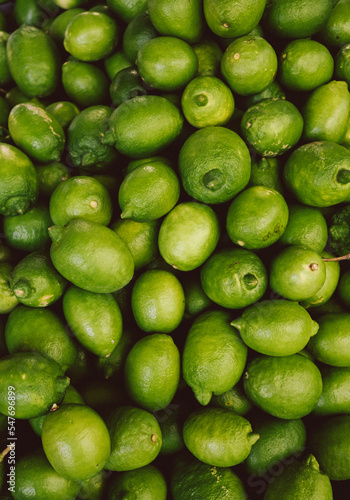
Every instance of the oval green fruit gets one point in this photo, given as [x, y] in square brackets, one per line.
[50, 175]
[276, 327]
[218, 437]
[37, 383]
[147, 481]
[152, 371]
[207, 367]
[76, 441]
[329, 286]
[331, 345]
[28, 232]
[91, 256]
[286, 387]
[335, 398]
[84, 83]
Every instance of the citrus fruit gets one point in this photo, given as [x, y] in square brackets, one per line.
[335, 397]
[49, 176]
[28, 232]
[147, 482]
[84, 83]
[336, 30]
[125, 85]
[339, 231]
[127, 9]
[331, 345]
[8, 300]
[233, 400]
[139, 31]
[267, 172]
[329, 286]
[59, 23]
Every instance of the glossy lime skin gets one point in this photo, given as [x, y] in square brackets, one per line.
[36, 132]
[127, 10]
[60, 23]
[214, 165]
[147, 481]
[335, 32]
[203, 437]
[28, 232]
[38, 74]
[30, 328]
[90, 36]
[38, 384]
[329, 286]
[276, 327]
[285, 387]
[82, 246]
[35, 474]
[139, 31]
[327, 162]
[63, 111]
[272, 126]
[334, 399]
[84, 83]
[332, 343]
[249, 65]
[76, 441]
[95, 319]
[297, 273]
[234, 278]
[144, 125]
[342, 66]
[19, 184]
[152, 371]
[208, 367]
[115, 63]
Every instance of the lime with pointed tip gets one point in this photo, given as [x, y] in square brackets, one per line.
[8, 300]
[257, 217]
[136, 438]
[276, 327]
[218, 437]
[249, 65]
[234, 278]
[206, 368]
[76, 441]
[158, 301]
[297, 273]
[148, 192]
[207, 101]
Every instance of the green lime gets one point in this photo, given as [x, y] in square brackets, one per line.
[335, 395]
[234, 278]
[90, 36]
[144, 125]
[34, 473]
[272, 126]
[295, 18]
[37, 384]
[115, 63]
[279, 440]
[146, 482]
[36, 66]
[272, 91]
[329, 286]
[158, 301]
[326, 112]
[188, 235]
[50, 176]
[19, 183]
[82, 197]
[331, 345]
[267, 172]
[166, 63]
[286, 387]
[257, 217]
[327, 180]
[36, 132]
[28, 232]
[336, 31]
[33, 329]
[306, 227]
[207, 101]
[233, 18]
[61, 21]
[152, 371]
[139, 31]
[302, 480]
[76, 441]
[196, 301]
[94, 318]
[8, 300]
[214, 165]
[5, 74]
[171, 422]
[127, 9]
[344, 288]
[305, 65]
[148, 192]
[249, 65]
[94, 488]
[15, 96]
[114, 364]
[209, 57]
[182, 19]
[234, 400]
[142, 161]
[192, 479]
[85, 84]
[35, 282]
[342, 66]
[136, 438]
[218, 437]
[330, 442]
[63, 111]
[207, 368]
[276, 327]
[297, 273]
[125, 85]
[339, 231]
[91, 256]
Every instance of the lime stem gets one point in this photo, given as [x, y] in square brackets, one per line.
[6, 451]
[337, 259]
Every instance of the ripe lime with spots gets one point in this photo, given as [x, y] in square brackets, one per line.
[234, 278]
[214, 165]
[158, 301]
